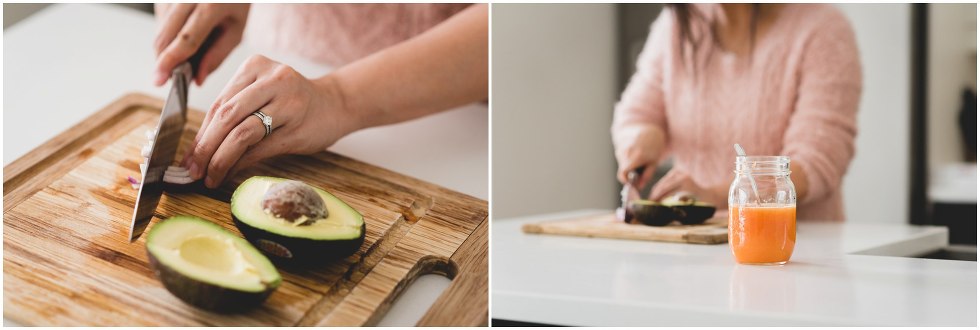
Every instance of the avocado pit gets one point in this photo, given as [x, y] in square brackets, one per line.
[295, 202]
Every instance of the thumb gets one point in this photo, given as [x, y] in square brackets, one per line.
[670, 182]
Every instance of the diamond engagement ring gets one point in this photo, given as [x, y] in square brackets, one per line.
[266, 121]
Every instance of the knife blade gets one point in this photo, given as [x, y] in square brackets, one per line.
[630, 192]
[164, 147]
[162, 151]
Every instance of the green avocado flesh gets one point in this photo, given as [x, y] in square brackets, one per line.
[342, 221]
[208, 266]
[692, 203]
[644, 202]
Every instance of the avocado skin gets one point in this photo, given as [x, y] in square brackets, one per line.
[205, 295]
[305, 251]
[653, 214]
[694, 214]
[656, 214]
[196, 186]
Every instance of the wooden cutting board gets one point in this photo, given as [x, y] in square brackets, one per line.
[67, 259]
[713, 231]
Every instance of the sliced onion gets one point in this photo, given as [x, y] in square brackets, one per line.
[178, 170]
[176, 179]
[177, 175]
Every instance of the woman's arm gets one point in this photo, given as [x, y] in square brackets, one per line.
[444, 67]
[639, 129]
[821, 132]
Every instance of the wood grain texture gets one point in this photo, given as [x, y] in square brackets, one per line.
[713, 231]
[471, 280]
[67, 260]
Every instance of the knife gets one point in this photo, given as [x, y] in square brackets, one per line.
[630, 192]
[162, 151]
[164, 147]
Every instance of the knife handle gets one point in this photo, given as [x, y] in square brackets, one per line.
[635, 174]
[195, 60]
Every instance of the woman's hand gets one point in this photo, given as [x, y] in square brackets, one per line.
[307, 117]
[637, 148]
[184, 27]
[678, 181]
[444, 67]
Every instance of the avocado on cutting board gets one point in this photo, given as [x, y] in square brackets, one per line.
[68, 260]
[713, 231]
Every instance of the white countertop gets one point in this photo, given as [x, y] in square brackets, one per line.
[70, 60]
[839, 274]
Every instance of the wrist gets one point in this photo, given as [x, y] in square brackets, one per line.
[334, 101]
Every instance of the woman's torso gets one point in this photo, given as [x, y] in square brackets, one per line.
[730, 98]
[337, 34]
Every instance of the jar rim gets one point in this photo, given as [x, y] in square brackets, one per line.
[762, 159]
[762, 165]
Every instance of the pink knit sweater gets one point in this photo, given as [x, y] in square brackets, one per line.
[796, 95]
[337, 34]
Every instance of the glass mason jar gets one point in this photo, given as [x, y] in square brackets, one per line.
[762, 211]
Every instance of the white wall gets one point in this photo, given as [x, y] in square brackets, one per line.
[952, 66]
[553, 91]
[876, 187]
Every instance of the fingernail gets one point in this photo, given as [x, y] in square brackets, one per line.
[209, 182]
[194, 171]
[161, 78]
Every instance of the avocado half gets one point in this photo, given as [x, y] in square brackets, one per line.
[692, 213]
[652, 213]
[336, 236]
[209, 267]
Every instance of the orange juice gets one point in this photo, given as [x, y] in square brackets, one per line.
[762, 234]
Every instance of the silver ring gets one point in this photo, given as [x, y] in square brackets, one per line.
[266, 121]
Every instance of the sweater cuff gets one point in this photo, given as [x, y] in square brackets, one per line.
[816, 184]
